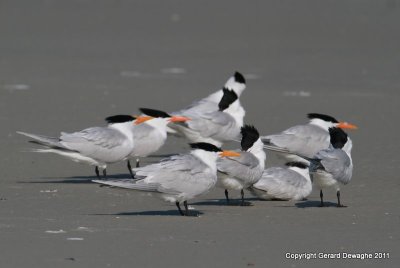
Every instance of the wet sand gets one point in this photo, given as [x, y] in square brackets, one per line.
[66, 65]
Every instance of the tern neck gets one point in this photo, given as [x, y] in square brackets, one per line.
[237, 112]
[347, 147]
[125, 128]
[208, 158]
[258, 151]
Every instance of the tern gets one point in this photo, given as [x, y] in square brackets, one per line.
[333, 166]
[150, 136]
[305, 140]
[291, 182]
[95, 146]
[178, 178]
[239, 173]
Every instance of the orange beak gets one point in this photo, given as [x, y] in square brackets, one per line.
[142, 119]
[346, 125]
[175, 119]
[229, 154]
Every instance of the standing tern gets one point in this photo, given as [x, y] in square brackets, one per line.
[214, 126]
[333, 166]
[284, 183]
[96, 146]
[152, 134]
[241, 172]
[178, 178]
[305, 140]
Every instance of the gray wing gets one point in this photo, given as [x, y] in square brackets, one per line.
[305, 140]
[246, 167]
[280, 182]
[199, 107]
[212, 124]
[97, 142]
[337, 163]
[178, 174]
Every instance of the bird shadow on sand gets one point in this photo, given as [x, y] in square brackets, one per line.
[148, 213]
[314, 204]
[74, 179]
[222, 202]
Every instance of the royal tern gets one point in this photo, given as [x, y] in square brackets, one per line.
[241, 172]
[178, 178]
[152, 134]
[305, 140]
[96, 146]
[214, 126]
[291, 182]
[333, 166]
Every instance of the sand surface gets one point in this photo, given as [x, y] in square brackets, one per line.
[66, 65]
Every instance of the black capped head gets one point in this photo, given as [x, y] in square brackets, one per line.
[249, 136]
[239, 78]
[121, 118]
[227, 99]
[324, 117]
[205, 146]
[297, 164]
[338, 137]
[154, 113]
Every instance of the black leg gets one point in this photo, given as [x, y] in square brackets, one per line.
[97, 172]
[321, 195]
[179, 208]
[137, 162]
[105, 173]
[243, 203]
[186, 208]
[130, 169]
[227, 196]
[187, 212]
[339, 205]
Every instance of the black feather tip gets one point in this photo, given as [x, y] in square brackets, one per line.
[239, 78]
[121, 118]
[205, 146]
[154, 113]
[249, 136]
[297, 164]
[338, 137]
[227, 99]
[324, 117]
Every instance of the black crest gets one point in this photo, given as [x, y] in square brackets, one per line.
[154, 113]
[205, 146]
[121, 118]
[227, 99]
[338, 137]
[249, 136]
[239, 78]
[324, 117]
[297, 164]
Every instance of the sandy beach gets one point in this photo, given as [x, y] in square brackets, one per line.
[66, 65]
